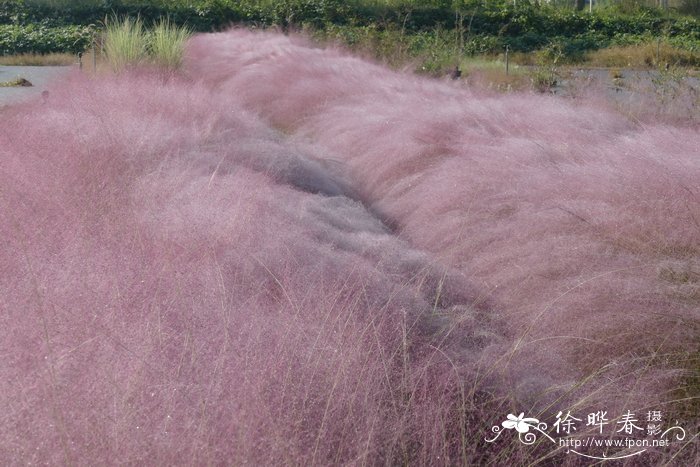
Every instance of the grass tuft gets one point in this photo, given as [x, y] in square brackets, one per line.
[125, 42]
[168, 43]
[128, 43]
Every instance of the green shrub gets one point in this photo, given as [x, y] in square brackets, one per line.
[479, 45]
[17, 39]
[690, 7]
[486, 26]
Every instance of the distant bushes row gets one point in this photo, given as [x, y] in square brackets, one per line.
[481, 26]
[18, 39]
[437, 50]
[483, 17]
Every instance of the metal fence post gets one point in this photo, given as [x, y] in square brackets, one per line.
[507, 60]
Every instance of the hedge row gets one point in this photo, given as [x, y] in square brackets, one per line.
[201, 15]
[16, 39]
[485, 16]
[50, 25]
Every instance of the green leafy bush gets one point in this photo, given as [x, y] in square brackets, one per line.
[418, 26]
[16, 39]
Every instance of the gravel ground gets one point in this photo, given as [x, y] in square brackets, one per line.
[39, 76]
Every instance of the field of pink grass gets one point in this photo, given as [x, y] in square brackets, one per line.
[288, 255]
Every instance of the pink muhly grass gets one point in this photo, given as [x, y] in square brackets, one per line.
[179, 286]
[292, 256]
[564, 215]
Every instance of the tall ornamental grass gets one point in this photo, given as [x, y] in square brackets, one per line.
[125, 42]
[128, 42]
[168, 43]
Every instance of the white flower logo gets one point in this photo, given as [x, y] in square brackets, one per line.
[521, 424]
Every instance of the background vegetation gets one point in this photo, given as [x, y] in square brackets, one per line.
[435, 32]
